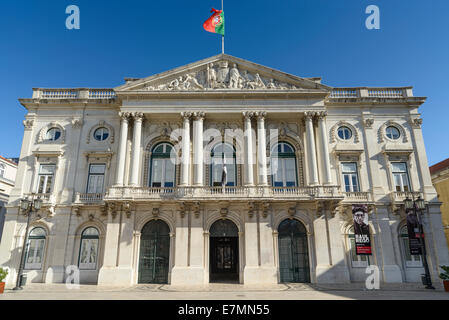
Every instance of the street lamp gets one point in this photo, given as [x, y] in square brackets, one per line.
[28, 207]
[417, 206]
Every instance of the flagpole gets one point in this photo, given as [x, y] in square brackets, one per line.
[222, 37]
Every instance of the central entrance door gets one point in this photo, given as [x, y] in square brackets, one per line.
[224, 252]
[154, 252]
[293, 252]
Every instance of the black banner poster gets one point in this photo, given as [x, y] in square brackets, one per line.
[413, 233]
[361, 230]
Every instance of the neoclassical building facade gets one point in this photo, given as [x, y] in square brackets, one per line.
[135, 190]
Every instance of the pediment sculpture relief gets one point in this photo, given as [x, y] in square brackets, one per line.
[220, 76]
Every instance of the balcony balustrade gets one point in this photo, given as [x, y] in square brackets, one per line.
[230, 193]
[400, 196]
[371, 92]
[89, 198]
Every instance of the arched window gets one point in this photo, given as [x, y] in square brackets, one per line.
[162, 172]
[89, 249]
[411, 261]
[357, 261]
[223, 156]
[35, 249]
[283, 166]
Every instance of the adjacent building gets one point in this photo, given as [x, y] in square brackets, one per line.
[440, 179]
[135, 189]
[8, 169]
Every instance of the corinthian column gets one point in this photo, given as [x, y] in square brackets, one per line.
[137, 141]
[324, 147]
[198, 162]
[261, 148]
[122, 148]
[185, 148]
[249, 177]
[311, 149]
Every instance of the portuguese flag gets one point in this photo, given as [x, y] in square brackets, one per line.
[216, 23]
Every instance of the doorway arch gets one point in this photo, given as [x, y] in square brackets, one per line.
[294, 263]
[224, 252]
[154, 252]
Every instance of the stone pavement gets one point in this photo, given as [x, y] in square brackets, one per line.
[356, 291]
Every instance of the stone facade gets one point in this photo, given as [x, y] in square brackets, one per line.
[440, 179]
[71, 133]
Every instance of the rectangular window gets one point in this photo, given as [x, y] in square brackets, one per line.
[350, 176]
[95, 182]
[35, 253]
[400, 176]
[88, 254]
[46, 177]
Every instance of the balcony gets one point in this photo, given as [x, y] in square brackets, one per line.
[400, 196]
[357, 197]
[89, 198]
[226, 193]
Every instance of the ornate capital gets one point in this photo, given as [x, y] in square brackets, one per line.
[28, 124]
[138, 116]
[186, 115]
[248, 115]
[260, 115]
[416, 123]
[321, 115]
[368, 123]
[124, 116]
[309, 115]
[198, 115]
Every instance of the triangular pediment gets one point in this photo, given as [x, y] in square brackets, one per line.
[225, 73]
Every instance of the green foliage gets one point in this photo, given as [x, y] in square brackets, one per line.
[445, 274]
[3, 274]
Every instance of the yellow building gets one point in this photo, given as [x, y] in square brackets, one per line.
[440, 179]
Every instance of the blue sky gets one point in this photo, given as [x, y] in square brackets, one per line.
[137, 38]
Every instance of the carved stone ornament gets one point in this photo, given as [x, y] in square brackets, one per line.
[112, 210]
[265, 208]
[292, 212]
[368, 123]
[416, 123]
[28, 124]
[196, 209]
[77, 211]
[251, 210]
[77, 123]
[155, 212]
[221, 75]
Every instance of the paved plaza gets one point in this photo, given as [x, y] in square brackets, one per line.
[227, 292]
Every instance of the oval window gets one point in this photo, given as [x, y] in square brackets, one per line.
[393, 133]
[344, 133]
[53, 134]
[101, 134]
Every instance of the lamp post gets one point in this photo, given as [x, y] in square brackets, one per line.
[418, 205]
[27, 206]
